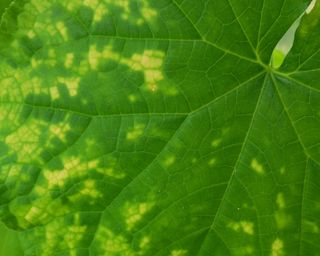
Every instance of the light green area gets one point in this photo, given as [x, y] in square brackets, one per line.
[9, 242]
[160, 128]
[284, 45]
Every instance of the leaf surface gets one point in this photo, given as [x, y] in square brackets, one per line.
[159, 128]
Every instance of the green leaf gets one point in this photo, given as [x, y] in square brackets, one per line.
[159, 127]
[4, 5]
[9, 243]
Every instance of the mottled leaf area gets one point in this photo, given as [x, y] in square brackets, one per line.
[159, 128]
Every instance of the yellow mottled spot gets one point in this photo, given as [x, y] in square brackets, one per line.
[72, 84]
[124, 8]
[148, 13]
[90, 3]
[282, 170]
[257, 167]
[60, 130]
[178, 253]
[72, 168]
[52, 53]
[283, 220]
[25, 140]
[150, 59]
[35, 63]
[93, 56]
[246, 250]
[35, 214]
[132, 98]
[212, 161]
[111, 172]
[62, 30]
[145, 241]
[75, 233]
[277, 248]
[31, 34]
[93, 164]
[112, 244]
[54, 93]
[150, 62]
[215, 143]
[169, 161]
[55, 178]
[90, 189]
[134, 212]
[280, 201]
[100, 12]
[69, 60]
[107, 53]
[244, 226]
[311, 227]
[135, 132]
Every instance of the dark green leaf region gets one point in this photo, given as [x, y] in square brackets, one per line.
[159, 128]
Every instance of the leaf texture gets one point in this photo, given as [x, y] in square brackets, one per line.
[159, 127]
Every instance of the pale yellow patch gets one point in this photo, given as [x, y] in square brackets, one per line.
[124, 10]
[277, 248]
[74, 234]
[60, 130]
[55, 178]
[36, 215]
[52, 53]
[216, 143]
[147, 12]
[145, 241]
[35, 63]
[111, 172]
[112, 244]
[90, 189]
[90, 3]
[61, 27]
[257, 167]
[72, 84]
[31, 34]
[94, 56]
[25, 140]
[54, 93]
[212, 162]
[311, 227]
[39, 190]
[134, 212]
[73, 167]
[69, 60]
[132, 98]
[280, 201]
[283, 219]
[40, 5]
[178, 253]
[246, 250]
[169, 161]
[100, 12]
[135, 132]
[150, 62]
[244, 226]
[150, 59]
